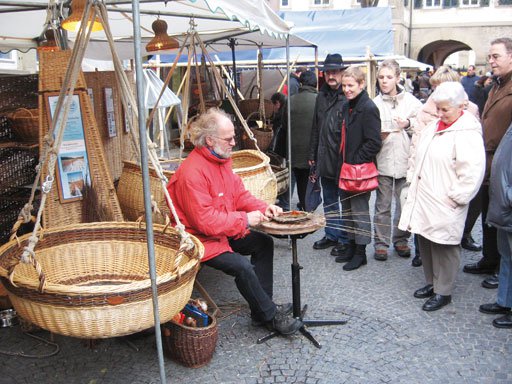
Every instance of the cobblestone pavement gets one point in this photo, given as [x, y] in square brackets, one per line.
[387, 338]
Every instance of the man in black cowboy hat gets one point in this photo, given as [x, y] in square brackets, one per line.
[325, 148]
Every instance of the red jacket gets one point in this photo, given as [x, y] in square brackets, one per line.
[211, 201]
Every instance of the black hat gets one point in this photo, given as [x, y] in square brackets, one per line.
[333, 62]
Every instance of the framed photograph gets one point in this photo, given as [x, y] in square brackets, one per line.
[109, 111]
[72, 161]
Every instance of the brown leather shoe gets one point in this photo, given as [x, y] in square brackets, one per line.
[403, 250]
[381, 254]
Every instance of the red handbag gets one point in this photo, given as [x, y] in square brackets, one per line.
[357, 177]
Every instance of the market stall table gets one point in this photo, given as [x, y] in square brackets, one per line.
[297, 228]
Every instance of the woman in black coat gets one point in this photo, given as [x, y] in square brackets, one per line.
[361, 120]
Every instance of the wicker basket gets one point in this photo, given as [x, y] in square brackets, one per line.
[249, 106]
[130, 191]
[254, 169]
[96, 277]
[282, 178]
[191, 347]
[252, 166]
[25, 124]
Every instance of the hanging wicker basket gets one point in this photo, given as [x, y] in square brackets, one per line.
[96, 279]
[254, 169]
[130, 190]
[263, 135]
[25, 124]
[249, 106]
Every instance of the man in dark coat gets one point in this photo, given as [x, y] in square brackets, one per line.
[325, 148]
[499, 216]
[496, 118]
[302, 109]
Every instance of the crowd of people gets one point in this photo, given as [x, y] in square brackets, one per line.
[434, 160]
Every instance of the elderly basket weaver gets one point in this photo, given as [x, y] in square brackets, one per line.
[214, 205]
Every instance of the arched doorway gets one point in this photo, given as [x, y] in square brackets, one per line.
[436, 52]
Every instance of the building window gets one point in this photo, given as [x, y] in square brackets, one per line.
[451, 3]
[406, 3]
[321, 2]
[469, 3]
[285, 3]
[431, 3]
[8, 60]
[505, 2]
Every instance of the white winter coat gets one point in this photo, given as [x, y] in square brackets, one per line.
[448, 170]
[392, 160]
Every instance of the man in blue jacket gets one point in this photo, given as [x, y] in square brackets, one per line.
[499, 216]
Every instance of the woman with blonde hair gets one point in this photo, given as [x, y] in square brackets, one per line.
[398, 110]
[361, 142]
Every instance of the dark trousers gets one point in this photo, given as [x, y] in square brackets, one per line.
[301, 176]
[254, 275]
[491, 256]
[474, 210]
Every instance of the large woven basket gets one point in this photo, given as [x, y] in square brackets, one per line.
[25, 124]
[96, 277]
[191, 347]
[130, 192]
[254, 169]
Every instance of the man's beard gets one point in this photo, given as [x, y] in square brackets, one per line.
[333, 84]
[224, 154]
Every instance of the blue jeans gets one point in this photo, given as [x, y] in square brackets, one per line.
[254, 276]
[334, 222]
[505, 278]
[284, 198]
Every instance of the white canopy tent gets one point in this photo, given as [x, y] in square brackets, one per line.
[249, 21]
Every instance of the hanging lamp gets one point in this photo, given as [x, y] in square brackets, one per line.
[73, 21]
[161, 41]
[50, 44]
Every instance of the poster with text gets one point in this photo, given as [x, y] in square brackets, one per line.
[73, 166]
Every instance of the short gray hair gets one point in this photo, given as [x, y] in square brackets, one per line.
[506, 41]
[450, 91]
[207, 124]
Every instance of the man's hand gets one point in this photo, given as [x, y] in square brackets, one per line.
[311, 162]
[273, 210]
[255, 218]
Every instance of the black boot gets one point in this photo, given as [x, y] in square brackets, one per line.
[358, 259]
[347, 253]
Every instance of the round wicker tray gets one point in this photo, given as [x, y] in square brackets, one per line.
[311, 224]
[97, 282]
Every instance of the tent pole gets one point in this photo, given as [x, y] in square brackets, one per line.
[288, 124]
[232, 46]
[145, 182]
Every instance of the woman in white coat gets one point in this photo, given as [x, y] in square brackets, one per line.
[448, 169]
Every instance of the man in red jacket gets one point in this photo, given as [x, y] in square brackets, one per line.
[213, 204]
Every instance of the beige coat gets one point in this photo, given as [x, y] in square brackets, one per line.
[393, 156]
[426, 115]
[447, 173]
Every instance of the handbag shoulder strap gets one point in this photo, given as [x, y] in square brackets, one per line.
[343, 138]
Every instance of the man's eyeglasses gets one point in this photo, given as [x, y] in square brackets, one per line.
[494, 57]
[226, 139]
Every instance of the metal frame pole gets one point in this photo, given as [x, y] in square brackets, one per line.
[145, 183]
[288, 124]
